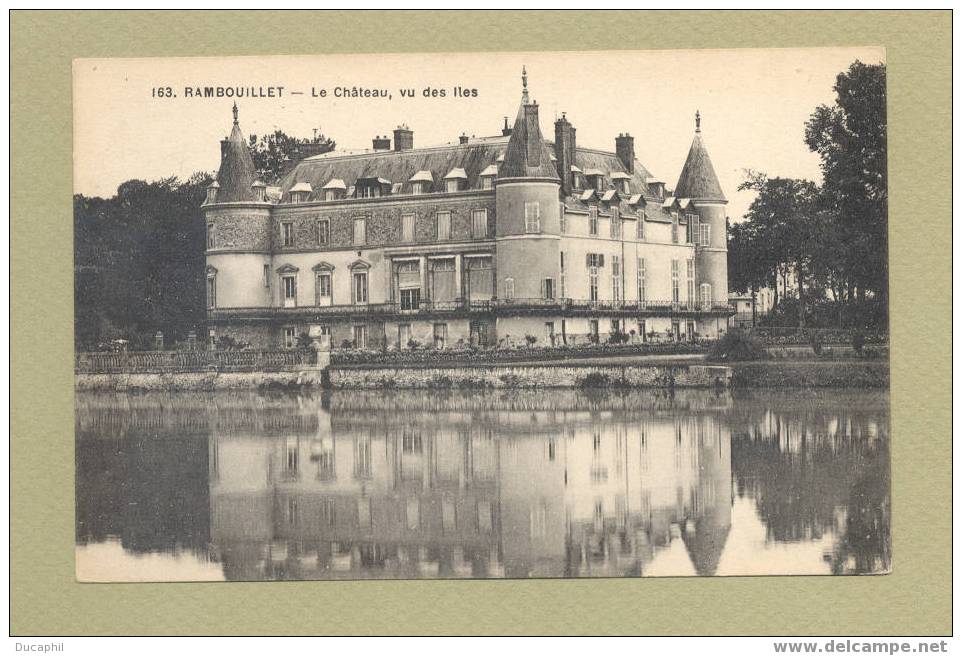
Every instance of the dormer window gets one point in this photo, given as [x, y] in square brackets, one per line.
[334, 189]
[622, 182]
[212, 192]
[300, 192]
[456, 180]
[596, 179]
[421, 182]
[576, 176]
[488, 175]
[371, 187]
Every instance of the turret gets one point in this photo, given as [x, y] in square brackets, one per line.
[527, 202]
[699, 183]
[239, 228]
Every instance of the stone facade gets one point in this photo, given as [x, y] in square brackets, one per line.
[490, 239]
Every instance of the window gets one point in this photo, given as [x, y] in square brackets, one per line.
[362, 457]
[440, 335]
[211, 290]
[407, 227]
[593, 283]
[451, 185]
[561, 280]
[360, 232]
[704, 230]
[690, 329]
[449, 518]
[413, 512]
[267, 276]
[324, 288]
[508, 288]
[690, 280]
[484, 516]
[289, 283]
[642, 282]
[539, 520]
[615, 223]
[327, 513]
[287, 233]
[369, 191]
[675, 297]
[564, 219]
[444, 226]
[359, 286]
[290, 337]
[364, 512]
[616, 277]
[403, 335]
[411, 443]
[210, 236]
[593, 220]
[330, 194]
[323, 231]
[692, 233]
[593, 329]
[640, 228]
[479, 223]
[417, 188]
[360, 337]
[549, 332]
[705, 295]
[674, 227]
[410, 300]
[487, 182]
[547, 289]
[532, 217]
[642, 332]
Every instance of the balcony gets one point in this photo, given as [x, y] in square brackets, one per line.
[426, 309]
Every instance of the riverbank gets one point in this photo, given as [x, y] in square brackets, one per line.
[774, 374]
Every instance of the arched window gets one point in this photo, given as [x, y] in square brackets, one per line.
[323, 284]
[211, 287]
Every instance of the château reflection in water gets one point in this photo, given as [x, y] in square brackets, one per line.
[553, 483]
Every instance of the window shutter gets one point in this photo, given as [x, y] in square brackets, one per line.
[601, 260]
[588, 260]
[544, 289]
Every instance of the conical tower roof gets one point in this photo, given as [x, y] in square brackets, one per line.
[236, 173]
[698, 180]
[527, 156]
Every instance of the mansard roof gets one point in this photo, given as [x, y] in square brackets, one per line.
[236, 173]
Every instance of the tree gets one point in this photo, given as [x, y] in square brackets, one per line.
[850, 137]
[782, 221]
[274, 153]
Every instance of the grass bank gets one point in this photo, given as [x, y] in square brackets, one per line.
[776, 374]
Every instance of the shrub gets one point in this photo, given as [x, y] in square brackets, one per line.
[858, 341]
[594, 379]
[530, 339]
[737, 346]
[816, 343]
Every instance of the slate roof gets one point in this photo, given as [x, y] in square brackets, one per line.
[528, 155]
[698, 179]
[236, 173]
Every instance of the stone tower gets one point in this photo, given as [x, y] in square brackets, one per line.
[527, 209]
[239, 230]
[699, 183]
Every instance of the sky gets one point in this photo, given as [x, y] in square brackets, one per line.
[753, 104]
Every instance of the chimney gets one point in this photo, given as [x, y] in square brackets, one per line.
[564, 151]
[403, 138]
[625, 147]
[463, 139]
[506, 130]
[381, 143]
[223, 148]
[532, 126]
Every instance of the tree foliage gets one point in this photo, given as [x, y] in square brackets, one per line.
[274, 153]
[850, 137]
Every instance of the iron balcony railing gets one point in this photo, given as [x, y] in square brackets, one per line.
[495, 305]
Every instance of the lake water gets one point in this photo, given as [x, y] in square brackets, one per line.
[553, 483]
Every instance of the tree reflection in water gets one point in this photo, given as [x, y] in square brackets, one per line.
[511, 483]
